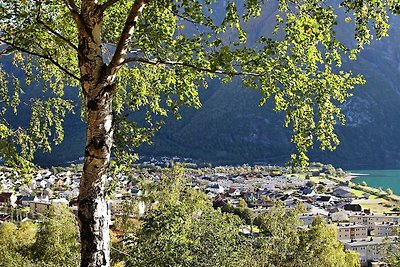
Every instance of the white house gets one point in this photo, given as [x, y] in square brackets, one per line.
[215, 188]
[234, 192]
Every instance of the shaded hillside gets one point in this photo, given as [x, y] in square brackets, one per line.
[232, 128]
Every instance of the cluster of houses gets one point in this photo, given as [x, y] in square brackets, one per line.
[361, 231]
[47, 189]
[162, 161]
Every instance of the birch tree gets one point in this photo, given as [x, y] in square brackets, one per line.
[149, 57]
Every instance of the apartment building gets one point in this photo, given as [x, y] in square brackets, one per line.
[372, 218]
[348, 231]
[369, 249]
[385, 229]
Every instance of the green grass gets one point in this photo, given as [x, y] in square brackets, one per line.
[375, 205]
[356, 192]
[379, 208]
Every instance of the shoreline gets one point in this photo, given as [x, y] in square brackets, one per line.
[358, 174]
[352, 175]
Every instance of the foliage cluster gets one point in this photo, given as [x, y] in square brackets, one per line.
[52, 242]
[174, 49]
[182, 229]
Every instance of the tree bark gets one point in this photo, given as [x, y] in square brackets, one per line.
[98, 89]
[92, 211]
[98, 85]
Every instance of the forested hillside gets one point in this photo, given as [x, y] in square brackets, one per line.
[232, 128]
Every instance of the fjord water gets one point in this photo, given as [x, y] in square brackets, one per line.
[380, 178]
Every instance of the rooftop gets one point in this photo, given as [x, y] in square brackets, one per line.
[367, 241]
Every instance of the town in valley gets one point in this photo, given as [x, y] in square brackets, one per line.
[365, 218]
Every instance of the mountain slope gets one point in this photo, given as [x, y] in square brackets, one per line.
[232, 128]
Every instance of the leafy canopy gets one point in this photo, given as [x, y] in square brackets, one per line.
[283, 242]
[52, 242]
[182, 229]
[176, 48]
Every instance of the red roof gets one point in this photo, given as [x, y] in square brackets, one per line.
[231, 190]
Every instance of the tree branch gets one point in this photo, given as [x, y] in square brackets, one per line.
[76, 15]
[107, 4]
[126, 35]
[72, 6]
[4, 52]
[46, 57]
[189, 65]
[58, 35]
[49, 29]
